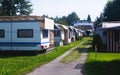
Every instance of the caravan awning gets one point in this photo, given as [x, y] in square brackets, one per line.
[76, 30]
[65, 27]
[56, 27]
[71, 28]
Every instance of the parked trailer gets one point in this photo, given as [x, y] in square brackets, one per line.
[25, 33]
[61, 35]
[72, 33]
[57, 35]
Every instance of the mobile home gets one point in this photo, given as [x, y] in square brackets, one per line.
[65, 34]
[61, 34]
[72, 33]
[57, 35]
[29, 33]
[77, 34]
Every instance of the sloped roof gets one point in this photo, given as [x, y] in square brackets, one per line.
[56, 26]
[62, 26]
[65, 27]
[110, 24]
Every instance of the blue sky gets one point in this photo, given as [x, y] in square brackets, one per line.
[61, 8]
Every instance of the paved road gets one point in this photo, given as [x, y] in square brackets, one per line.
[55, 67]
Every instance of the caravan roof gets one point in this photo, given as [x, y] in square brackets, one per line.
[20, 18]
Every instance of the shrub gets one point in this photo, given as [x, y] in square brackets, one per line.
[97, 41]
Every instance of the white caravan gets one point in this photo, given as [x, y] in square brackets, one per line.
[25, 33]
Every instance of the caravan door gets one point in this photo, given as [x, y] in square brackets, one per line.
[5, 36]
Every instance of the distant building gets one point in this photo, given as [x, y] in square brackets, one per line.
[84, 25]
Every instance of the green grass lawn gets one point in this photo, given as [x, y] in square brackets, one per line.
[19, 65]
[104, 64]
[75, 54]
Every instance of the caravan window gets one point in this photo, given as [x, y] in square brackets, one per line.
[45, 33]
[2, 33]
[25, 33]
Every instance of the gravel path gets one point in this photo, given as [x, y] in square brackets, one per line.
[55, 67]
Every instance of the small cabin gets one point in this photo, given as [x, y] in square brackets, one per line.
[110, 35]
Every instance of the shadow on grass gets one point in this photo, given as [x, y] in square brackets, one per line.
[8, 54]
[87, 43]
[103, 67]
[82, 50]
[91, 49]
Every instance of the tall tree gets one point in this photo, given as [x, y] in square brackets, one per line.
[68, 20]
[112, 10]
[15, 7]
[98, 21]
[89, 18]
[72, 18]
[61, 20]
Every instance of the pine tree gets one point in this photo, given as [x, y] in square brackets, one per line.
[89, 18]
